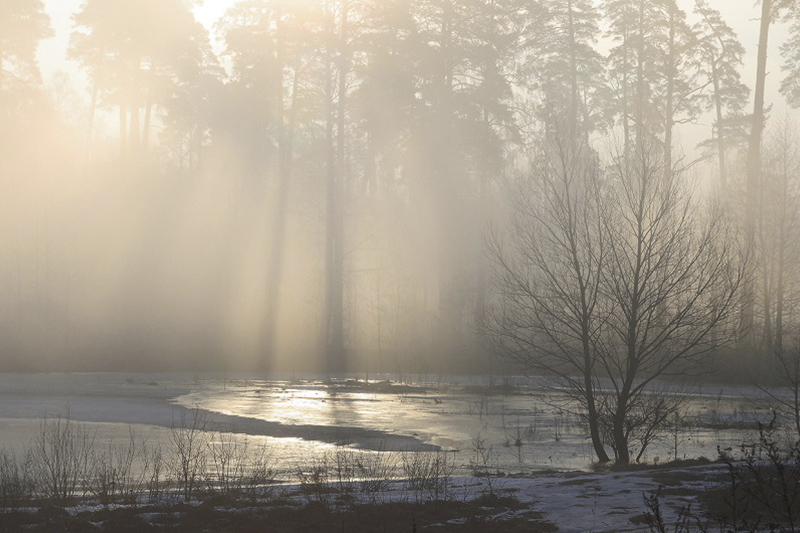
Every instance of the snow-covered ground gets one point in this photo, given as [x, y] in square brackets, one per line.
[539, 450]
[610, 502]
[574, 502]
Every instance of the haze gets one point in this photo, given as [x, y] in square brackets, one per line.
[316, 185]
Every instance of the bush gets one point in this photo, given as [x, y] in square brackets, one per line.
[314, 481]
[260, 474]
[153, 463]
[428, 475]
[228, 464]
[234, 470]
[190, 442]
[60, 456]
[764, 486]
[16, 484]
[376, 472]
[761, 493]
[111, 472]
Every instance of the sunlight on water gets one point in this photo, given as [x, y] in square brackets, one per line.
[522, 431]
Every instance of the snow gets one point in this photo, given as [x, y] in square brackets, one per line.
[576, 502]
[300, 421]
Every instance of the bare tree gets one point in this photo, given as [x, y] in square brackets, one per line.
[611, 282]
[549, 278]
[670, 284]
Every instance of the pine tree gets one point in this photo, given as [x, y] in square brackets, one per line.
[771, 10]
[790, 50]
[721, 56]
[567, 68]
[654, 70]
[139, 54]
[23, 25]
[778, 231]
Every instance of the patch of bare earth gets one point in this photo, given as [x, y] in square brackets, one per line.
[482, 515]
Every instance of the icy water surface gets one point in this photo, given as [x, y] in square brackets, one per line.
[513, 429]
[517, 429]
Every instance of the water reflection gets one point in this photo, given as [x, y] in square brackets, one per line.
[301, 420]
[522, 431]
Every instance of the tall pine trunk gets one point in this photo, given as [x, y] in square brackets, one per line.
[723, 170]
[87, 147]
[754, 170]
[335, 163]
[148, 111]
[670, 103]
[279, 222]
[123, 131]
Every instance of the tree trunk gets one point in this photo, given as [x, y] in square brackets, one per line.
[573, 68]
[443, 159]
[670, 104]
[87, 147]
[148, 109]
[337, 350]
[754, 167]
[723, 171]
[123, 131]
[640, 97]
[591, 404]
[334, 264]
[481, 263]
[779, 301]
[330, 204]
[626, 98]
[619, 433]
[134, 137]
[278, 240]
[767, 289]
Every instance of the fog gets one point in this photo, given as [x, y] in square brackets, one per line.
[303, 186]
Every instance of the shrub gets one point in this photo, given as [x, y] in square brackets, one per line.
[260, 474]
[111, 472]
[16, 484]
[60, 455]
[376, 472]
[153, 463]
[428, 475]
[190, 442]
[234, 469]
[228, 463]
[764, 485]
[314, 481]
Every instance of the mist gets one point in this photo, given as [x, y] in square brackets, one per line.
[395, 264]
[307, 186]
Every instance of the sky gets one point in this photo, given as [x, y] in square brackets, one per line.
[741, 15]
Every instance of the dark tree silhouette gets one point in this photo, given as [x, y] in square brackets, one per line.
[24, 24]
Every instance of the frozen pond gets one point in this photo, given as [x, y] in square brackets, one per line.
[520, 429]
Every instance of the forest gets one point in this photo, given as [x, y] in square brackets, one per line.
[512, 265]
[406, 186]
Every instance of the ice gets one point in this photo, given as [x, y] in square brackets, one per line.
[521, 432]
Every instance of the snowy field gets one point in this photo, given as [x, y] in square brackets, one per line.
[526, 438]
